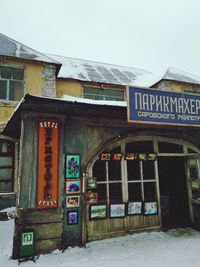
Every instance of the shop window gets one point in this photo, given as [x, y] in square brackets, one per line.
[99, 170]
[150, 191]
[148, 170]
[109, 181]
[135, 191]
[140, 147]
[6, 166]
[11, 83]
[133, 170]
[165, 147]
[103, 94]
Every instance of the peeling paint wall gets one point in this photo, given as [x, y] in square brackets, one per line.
[68, 87]
[177, 86]
[49, 87]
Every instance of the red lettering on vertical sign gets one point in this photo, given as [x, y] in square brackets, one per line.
[47, 164]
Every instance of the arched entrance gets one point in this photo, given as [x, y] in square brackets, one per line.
[162, 183]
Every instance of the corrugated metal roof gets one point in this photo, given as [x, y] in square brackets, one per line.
[12, 48]
[91, 71]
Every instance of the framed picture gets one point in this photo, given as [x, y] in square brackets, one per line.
[73, 187]
[72, 201]
[91, 197]
[72, 166]
[72, 217]
[91, 183]
[98, 212]
[117, 210]
[150, 208]
[134, 208]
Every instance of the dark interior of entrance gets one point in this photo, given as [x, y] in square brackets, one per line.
[173, 192]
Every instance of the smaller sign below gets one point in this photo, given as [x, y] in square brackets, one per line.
[27, 244]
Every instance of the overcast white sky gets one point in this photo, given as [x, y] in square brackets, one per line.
[148, 34]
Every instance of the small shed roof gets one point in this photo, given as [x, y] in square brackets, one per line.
[66, 106]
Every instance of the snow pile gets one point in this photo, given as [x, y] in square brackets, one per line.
[175, 248]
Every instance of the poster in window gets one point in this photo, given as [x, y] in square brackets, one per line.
[72, 166]
[73, 187]
[117, 210]
[134, 208]
[150, 208]
[47, 164]
[98, 211]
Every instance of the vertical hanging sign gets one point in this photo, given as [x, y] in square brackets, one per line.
[47, 164]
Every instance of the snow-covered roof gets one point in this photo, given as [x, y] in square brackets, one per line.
[91, 71]
[173, 74]
[12, 48]
[73, 99]
[181, 76]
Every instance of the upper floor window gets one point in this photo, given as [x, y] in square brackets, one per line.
[11, 83]
[103, 94]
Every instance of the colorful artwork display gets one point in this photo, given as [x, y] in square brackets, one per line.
[91, 183]
[72, 201]
[91, 197]
[98, 211]
[73, 187]
[150, 208]
[72, 217]
[134, 208]
[117, 210]
[72, 163]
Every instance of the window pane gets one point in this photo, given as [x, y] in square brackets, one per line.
[165, 147]
[140, 147]
[114, 170]
[150, 191]
[148, 170]
[4, 147]
[133, 169]
[5, 161]
[6, 73]
[3, 89]
[5, 186]
[101, 189]
[134, 192]
[16, 90]
[99, 170]
[5, 174]
[115, 192]
[104, 94]
[18, 74]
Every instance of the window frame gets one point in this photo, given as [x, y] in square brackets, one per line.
[10, 80]
[10, 154]
[103, 95]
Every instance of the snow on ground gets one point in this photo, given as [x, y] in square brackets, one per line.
[175, 248]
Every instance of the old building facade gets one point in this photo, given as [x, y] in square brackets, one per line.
[83, 171]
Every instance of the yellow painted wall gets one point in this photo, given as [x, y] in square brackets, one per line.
[34, 82]
[68, 87]
[177, 86]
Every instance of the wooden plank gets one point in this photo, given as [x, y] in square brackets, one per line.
[47, 246]
[34, 216]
